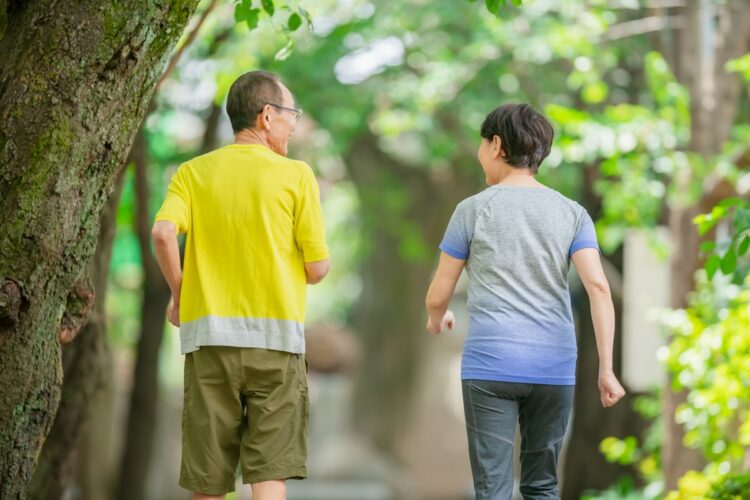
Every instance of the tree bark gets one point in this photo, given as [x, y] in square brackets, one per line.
[84, 363]
[75, 80]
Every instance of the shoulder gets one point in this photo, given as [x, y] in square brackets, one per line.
[475, 202]
[301, 167]
[569, 205]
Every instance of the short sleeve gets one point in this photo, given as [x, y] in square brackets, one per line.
[457, 239]
[586, 235]
[176, 205]
[309, 230]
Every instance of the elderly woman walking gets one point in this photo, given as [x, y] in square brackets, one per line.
[516, 239]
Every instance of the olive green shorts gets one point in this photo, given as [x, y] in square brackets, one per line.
[246, 406]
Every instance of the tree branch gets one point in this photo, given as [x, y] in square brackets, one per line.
[644, 25]
[188, 41]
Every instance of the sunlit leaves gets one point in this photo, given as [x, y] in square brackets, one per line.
[494, 6]
[268, 6]
[710, 356]
[741, 66]
[737, 212]
[245, 11]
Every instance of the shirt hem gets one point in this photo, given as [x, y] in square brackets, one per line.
[499, 377]
[453, 253]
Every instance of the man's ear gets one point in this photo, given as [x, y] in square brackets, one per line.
[263, 120]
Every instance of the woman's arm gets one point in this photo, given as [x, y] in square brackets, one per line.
[589, 267]
[440, 293]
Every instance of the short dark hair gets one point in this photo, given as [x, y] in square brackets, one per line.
[526, 135]
[247, 96]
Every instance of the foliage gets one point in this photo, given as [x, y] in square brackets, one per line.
[724, 257]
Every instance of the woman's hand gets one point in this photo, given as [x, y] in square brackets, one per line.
[447, 322]
[610, 389]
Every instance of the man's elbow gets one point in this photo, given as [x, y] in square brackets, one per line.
[162, 232]
[316, 271]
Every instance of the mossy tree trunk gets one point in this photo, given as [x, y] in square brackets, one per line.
[85, 362]
[75, 82]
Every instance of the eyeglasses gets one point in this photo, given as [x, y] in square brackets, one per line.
[297, 112]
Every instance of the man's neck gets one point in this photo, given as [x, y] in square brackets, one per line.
[251, 136]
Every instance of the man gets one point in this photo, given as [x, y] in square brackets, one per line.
[255, 237]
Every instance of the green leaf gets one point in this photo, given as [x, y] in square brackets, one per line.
[295, 21]
[744, 245]
[493, 5]
[741, 220]
[268, 6]
[251, 18]
[729, 262]
[707, 246]
[731, 202]
[239, 13]
[712, 265]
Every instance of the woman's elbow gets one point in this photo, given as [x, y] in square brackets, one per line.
[599, 287]
[433, 301]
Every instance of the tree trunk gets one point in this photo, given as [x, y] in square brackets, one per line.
[84, 363]
[713, 107]
[407, 209]
[75, 80]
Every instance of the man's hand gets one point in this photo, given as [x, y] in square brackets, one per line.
[173, 312]
[447, 322]
[610, 389]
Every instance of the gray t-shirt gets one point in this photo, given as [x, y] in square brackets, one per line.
[517, 242]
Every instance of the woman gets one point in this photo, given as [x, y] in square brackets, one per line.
[516, 239]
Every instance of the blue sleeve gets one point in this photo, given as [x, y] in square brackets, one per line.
[458, 235]
[586, 235]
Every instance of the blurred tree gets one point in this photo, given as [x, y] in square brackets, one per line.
[75, 81]
[715, 32]
[676, 154]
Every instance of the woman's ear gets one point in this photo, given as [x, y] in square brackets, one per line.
[497, 147]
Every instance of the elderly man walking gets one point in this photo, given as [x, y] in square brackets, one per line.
[255, 238]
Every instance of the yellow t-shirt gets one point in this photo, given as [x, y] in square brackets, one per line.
[252, 219]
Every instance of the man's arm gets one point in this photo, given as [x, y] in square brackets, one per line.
[164, 236]
[440, 293]
[589, 268]
[316, 271]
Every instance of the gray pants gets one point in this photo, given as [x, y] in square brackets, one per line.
[492, 409]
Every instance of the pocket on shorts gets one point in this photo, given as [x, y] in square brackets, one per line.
[301, 368]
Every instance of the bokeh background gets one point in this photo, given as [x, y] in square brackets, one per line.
[649, 100]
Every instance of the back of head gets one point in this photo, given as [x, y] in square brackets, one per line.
[525, 133]
[247, 96]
